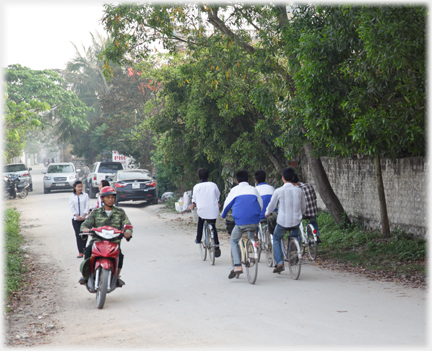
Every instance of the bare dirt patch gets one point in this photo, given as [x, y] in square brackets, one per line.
[30, 317]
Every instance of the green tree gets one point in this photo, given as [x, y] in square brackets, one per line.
[36, 99]
[360, 78]
[254, 30]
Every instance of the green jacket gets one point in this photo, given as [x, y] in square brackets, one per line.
[99, 218]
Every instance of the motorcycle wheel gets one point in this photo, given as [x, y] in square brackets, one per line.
[6, 195]
[23, 194]
[102, 287]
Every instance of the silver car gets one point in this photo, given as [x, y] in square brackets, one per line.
[59, 176]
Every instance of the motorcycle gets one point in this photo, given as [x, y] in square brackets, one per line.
[10, 186]
[101, 269]
[11, 189]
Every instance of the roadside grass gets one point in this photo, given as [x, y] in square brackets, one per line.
[402, 253]
[14, 267]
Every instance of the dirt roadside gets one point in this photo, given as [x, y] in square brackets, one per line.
[32, 317]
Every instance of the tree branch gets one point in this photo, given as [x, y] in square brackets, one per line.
[219, 24]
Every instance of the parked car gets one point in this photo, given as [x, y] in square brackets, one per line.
[59, 176]
[135, 185]
[99, 171]
[167, 195]
[22, 172]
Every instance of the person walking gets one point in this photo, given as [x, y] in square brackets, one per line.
[99, 203]
[79, 206]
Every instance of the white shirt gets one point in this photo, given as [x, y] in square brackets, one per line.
[206, 197]
[83, 204]
[292, 205]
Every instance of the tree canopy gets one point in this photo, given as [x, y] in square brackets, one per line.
[328, 80]
[36, 99]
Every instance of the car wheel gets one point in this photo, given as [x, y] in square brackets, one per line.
[46, 191]
[155, 201]
[92, 193]
[116, 202]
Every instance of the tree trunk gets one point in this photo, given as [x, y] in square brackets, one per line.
[381, 195]
[324, 188]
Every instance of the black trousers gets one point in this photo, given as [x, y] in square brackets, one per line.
[81, 241]
[88, 251]
[200, 229]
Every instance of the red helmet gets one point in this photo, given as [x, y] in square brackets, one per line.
[107, 190]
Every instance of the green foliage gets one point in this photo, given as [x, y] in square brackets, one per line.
[36, 99]
[14, 256]
[361, 81]
[117, 104]
[400, 246]
[195, 123]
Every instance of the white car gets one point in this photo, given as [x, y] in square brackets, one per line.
[59, 176]
[99, 171]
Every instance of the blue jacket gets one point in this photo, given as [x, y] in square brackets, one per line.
[266, 191]
[246, 204]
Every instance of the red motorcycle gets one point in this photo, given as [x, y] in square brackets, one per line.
[101, 269]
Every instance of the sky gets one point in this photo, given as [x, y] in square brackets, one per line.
[38, 34]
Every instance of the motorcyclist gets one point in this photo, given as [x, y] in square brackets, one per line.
[109, 215]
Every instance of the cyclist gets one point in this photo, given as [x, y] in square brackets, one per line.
[311, 204]
[206, 195]
[291, 206]
[110, 215]
[266, 191]
[246, 204]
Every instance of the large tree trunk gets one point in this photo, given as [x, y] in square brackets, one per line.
[324, 188]
[323, 185]
[381, 195]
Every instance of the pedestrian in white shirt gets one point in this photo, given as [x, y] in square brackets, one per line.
[99, 202]
[291, 204]
[79, 206]
[205, 196]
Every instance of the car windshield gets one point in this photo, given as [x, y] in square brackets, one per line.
[109, 167]
[133, 175]
[15, 168]
[61, 169]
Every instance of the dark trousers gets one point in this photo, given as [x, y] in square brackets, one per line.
[200, 229]
[81, 241]
[88, 251]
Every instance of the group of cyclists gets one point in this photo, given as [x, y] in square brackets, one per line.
[292, 202]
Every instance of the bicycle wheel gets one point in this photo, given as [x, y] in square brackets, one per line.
[203, 246]
[284, 247]
[211, 247]
[311, 243]
[251, 262]
[259, 242]
[268, 244]
[294, 258]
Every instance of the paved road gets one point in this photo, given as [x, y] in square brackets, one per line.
[173, 299]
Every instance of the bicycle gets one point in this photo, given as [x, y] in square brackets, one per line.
[265, 242]
[291, 252]
[249, 257]
[208, 243]
[309, 240]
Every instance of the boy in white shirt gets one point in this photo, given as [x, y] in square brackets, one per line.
[291, 203]
[206, 195]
